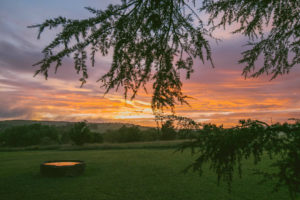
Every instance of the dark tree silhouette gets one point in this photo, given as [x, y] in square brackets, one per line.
[225, 149]
[147, 35]
[272, 26]
[80, 133]
[167, 130]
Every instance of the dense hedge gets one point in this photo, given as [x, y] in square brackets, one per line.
[130, 134]
[37, 134]
[80, 133]
[27, 135]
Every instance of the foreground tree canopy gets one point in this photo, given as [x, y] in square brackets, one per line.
[152, 40]
[224, 150]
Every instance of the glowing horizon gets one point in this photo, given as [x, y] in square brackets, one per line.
[219, 95]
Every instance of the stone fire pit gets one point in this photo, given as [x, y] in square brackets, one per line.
[56, 168]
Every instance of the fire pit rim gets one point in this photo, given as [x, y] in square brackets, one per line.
[62, 170]
[80, 162]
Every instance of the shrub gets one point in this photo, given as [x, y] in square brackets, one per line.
[27, 135]
[167, 131]
[150, 134]
[123, 134]
[95, 137]
[80, 133]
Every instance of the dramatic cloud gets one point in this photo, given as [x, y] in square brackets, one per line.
[219, 95]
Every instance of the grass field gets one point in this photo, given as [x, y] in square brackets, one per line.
[123, 174]
[100, 146]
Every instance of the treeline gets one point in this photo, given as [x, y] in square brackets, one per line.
[27, 135]
[80, 133]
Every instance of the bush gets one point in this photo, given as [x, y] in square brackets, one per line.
[80, 133]
[167, 131]
[95, 137]
[47, 141]
[27, 135]
[186, 134]
[150, 134]
[123, 134]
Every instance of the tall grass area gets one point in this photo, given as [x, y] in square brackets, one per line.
[124, 174]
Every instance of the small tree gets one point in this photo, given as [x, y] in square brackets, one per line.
[150, 134]
[80, 133]
[167, 131]
[27, 135]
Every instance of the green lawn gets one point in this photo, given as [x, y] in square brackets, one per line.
[140, 174]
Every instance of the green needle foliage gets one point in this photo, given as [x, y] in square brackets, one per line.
[146, 36]
[273, 27]
[152, 41]
[224, 149]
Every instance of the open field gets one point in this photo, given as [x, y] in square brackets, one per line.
[100, 146]
[141, 174]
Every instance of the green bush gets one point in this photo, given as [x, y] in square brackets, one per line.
[80, 133]
[150, 134]
[167, 131]
[186, 134]
[95, 137]
[27, 135]
[123, 134]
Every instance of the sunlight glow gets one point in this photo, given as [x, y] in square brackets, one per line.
[62, 163]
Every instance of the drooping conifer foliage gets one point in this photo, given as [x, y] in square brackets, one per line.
[225, 149]
[145, 36]
[152, 40]
[272, 26]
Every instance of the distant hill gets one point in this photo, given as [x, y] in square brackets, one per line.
[98, 127]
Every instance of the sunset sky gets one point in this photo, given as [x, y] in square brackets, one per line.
[219, 95]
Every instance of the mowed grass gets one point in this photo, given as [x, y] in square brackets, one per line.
[132, 174]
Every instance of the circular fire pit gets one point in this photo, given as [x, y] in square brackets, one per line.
[56, 168]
